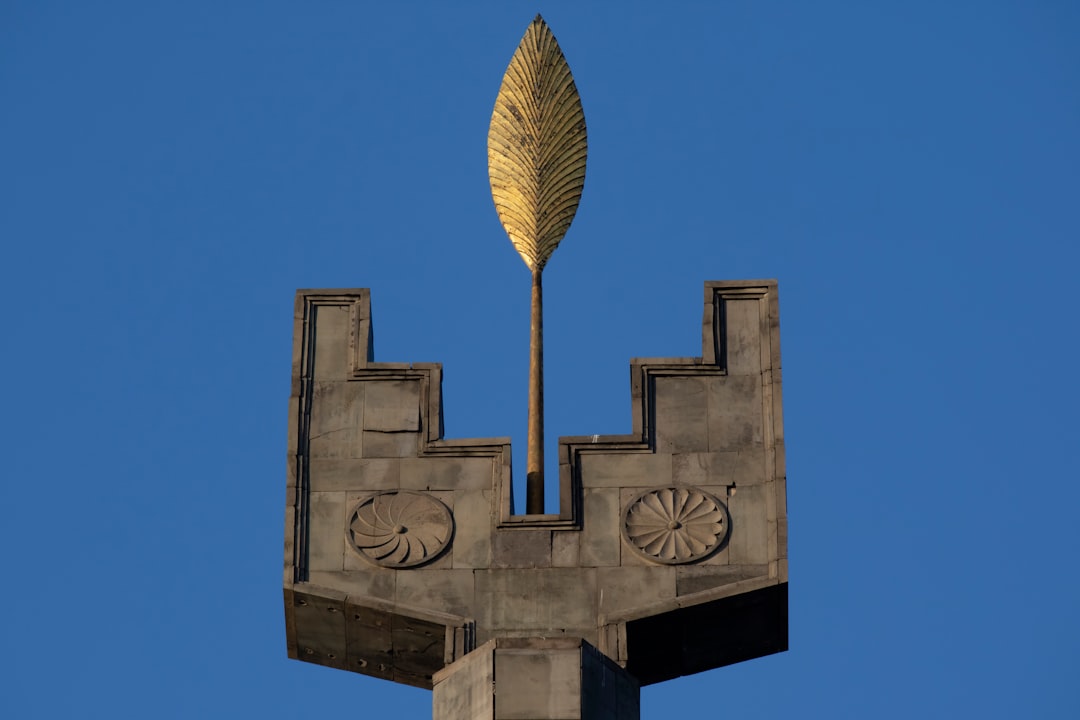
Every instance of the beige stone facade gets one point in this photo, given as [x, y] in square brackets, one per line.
[668, 553]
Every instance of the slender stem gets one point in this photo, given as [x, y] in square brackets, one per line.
[534, 490]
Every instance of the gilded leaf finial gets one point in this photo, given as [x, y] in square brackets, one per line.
[537, 147]
[536, 164]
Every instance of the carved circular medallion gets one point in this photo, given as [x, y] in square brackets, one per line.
[675, 525]
[400, 528]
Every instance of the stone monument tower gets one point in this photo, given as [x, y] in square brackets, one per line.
[404, 559]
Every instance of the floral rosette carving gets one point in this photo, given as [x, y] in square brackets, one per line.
[676, 524]
[400, 529]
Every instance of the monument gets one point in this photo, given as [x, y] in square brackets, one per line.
[404, 558]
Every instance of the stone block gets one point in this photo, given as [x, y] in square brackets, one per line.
[565, 548]
[692, 468]
[370, 641]
[536, 685]
[335, 414]
[537, 679]
[320, 629]
[551, 576]
[640, 470]
[749, 536]
[473, 526]
[738, 467]
[465, 688]
[537, 601]
[625, 588]
[745, 327]
[326, 531]
[600, 533]
[331, 350]
[699, 578]
[419, 650]
[521, 549]
[735, 421]
[392, 405]
[682, 415]
[372, 581]
[448, 473]
[749, 469]
[608, 692]
[331, 474]
[390, 444]
[446, 591]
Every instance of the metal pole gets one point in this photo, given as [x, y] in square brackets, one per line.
[534, 491]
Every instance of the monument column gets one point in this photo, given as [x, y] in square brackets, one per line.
[535, 679]
[404, 557]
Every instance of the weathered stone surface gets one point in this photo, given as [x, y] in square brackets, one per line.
[392, 406]
[448, 473]
[534, 601]
[371, 582]
[736, 419]
[565, 548]
[521, 549]
[328, 474]
[738, 467]
[399, 528]
[390, 444]
[537, 679]
[473, 527]
[749, 526]
[744, 332]
[600, 536]
[625, 470]
[327, 534]
[702, 426]
[370, 641]
[448, 591]
[699, 578]
[682, 414]
[625, 588]
[335, 415]
[466, 688]
[534, 684]
[331, 342]
[320, 623]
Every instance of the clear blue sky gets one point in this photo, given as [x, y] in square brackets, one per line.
[170, 173]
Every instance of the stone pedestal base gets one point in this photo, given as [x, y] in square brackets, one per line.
[535, 679]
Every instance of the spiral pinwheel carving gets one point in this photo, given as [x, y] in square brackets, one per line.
[400, 529]
[675, 525]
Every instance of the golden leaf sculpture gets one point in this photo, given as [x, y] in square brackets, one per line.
[537, 146]
[536, 164]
